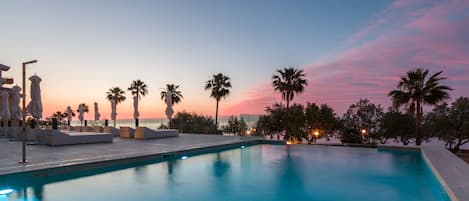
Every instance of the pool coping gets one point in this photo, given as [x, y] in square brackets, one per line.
[118, 159]
[453, 178]
[451, 171]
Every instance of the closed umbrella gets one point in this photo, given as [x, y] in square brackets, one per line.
[169, 105]
[81, 110]
[113, 111]
[35, 105]
[136, 113]
[69, 114]
[5, 109]
[15, 109]
[96, 112]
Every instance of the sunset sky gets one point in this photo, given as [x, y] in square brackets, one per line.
[348, 49]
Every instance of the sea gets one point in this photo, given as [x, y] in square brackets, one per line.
[155, 123]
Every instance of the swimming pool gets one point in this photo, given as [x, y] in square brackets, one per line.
[255, 173]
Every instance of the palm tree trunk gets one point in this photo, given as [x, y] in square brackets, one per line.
[216, 115]
[286, 120]
[418, 123]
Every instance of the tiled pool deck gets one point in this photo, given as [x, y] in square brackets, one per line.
[452, 172]
[44, 157]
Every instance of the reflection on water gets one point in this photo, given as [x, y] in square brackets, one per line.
[258, 173]
[221, 166]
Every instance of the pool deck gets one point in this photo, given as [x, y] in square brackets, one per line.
[451, 171]
[43, 157]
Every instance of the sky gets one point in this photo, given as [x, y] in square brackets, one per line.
[348, 49]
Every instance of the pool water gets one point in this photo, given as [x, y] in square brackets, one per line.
[255, 173]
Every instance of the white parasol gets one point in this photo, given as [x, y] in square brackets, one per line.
[169, 104]
[96, 112]
[69, 113]
[136, 113]
[5, 105]
[15, 109]
[81, 110]
[113, 109]
[35, 105]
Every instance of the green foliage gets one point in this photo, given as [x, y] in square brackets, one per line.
[364, 115]
[296, 123]
[116, 94]
[138, 88]
[300, 121]
[59, 115]
[450, 124]
[193, 123]
[272, 123]
[322, 119]
[176, 94]
[236, 126]
[398, 127]
[350, 135]
[289, 81]
[414, 90]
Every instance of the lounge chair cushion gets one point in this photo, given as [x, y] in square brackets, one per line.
[146, 133]
[56, 137]
[126, 132]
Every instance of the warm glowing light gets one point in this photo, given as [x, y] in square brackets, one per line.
[316, 133]
[363, 131]
[5, 191]
[289, 142]
[184, 157]
[248, 132]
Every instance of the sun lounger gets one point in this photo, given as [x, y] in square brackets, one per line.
[127, 132]
[56, 137]
[98, 129]
[112, 130]
[146, 133]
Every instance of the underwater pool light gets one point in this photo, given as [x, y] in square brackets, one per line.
[184, 157]
[242, 147]
[6, 191]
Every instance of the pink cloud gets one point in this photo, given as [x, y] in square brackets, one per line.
[409, 34]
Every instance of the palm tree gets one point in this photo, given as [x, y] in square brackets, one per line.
[116, 94]
[139, 89]
[219, 84]
[59, 115]
[176, 95]
[289, 81]
[414, 90]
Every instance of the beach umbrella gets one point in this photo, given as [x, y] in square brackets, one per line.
[81, 111]
[96, 112]
[169, 104]
[3, 68]
[136, 113]
[5, 109]
[113, 111]
[15, 108]
[35, 105]
[69, 114]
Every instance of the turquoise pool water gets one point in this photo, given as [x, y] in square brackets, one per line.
[256, 173]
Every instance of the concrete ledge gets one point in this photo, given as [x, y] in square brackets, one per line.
[390, 147]
[97, 161]
[451, 171]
